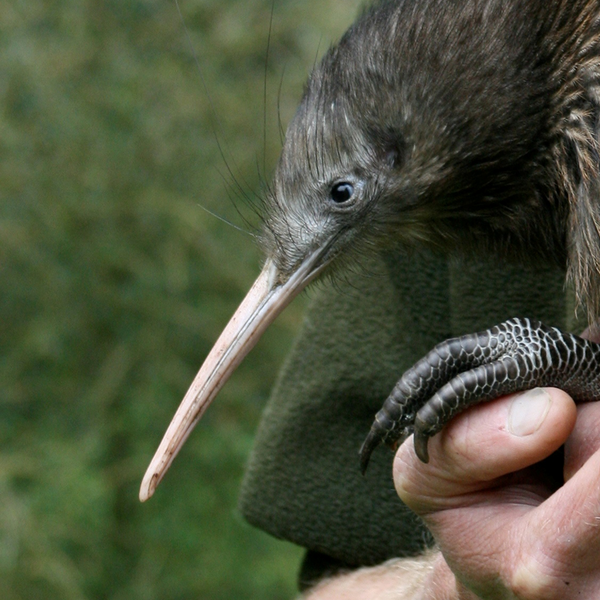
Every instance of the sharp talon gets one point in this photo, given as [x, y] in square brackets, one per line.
[421, 447]
[371, 442]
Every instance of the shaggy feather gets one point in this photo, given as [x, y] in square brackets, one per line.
[462, 125]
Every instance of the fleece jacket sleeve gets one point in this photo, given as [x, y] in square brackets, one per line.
[303, 481]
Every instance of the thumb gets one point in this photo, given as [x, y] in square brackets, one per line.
[482, 444]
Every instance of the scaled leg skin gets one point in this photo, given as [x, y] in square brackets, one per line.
[518, 354]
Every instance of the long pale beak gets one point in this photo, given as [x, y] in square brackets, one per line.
[265, 300]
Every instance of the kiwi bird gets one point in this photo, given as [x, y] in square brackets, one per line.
[465, 126]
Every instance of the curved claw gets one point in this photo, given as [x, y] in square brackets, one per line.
[391, 435]
[375, 438]
[421, 447]
[371, 442]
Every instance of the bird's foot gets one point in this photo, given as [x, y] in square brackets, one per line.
[518, 354]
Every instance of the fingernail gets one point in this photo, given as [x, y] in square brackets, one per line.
[528, 411]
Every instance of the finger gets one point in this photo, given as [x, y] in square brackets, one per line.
[483, 444]
[466, 494]
[577, 505]
[561, 546]
[584, 441]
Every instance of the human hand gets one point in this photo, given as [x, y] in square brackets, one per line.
[508, 529]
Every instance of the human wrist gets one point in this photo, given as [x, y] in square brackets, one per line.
[426, 577]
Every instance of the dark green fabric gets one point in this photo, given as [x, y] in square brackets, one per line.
[317, 566]
[303, 481]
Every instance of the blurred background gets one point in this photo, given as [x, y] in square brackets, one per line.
[115, 283]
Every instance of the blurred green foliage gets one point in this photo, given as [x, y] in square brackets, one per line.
[115, 283]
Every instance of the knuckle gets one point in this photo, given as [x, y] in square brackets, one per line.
[542, 576]
[531, 582]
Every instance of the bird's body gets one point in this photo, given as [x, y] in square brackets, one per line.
[466, 126]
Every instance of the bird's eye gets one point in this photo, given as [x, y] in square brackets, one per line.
[342, 192]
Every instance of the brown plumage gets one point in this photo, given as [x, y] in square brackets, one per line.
[473, 123]
[466, 126]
